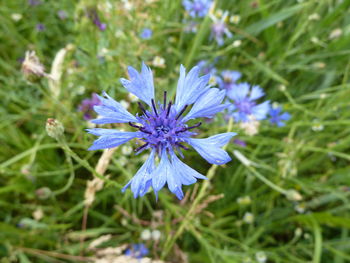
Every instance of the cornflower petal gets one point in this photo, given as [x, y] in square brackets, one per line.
[111, 138]
[209, 148]
[161, 173]
[238, 91]
[140, 182]
[190, 87]
[187, 174]
[140, 84]
[207, 105]
[112, 112]
[260, 111]
[256, 93]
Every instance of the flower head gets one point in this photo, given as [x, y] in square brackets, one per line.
[93, 15]
[87, 106]
[62, 14]
[244, 107]
[137, 251]
[146, 33]
[277, 117]
[228, 79]
[219, 28]
[34, 2]
[209, 68]
[197, 8]
[40, 27]
[163, 129]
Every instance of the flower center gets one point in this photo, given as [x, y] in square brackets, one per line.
[162, 127]
[219, 28]
[245, 106]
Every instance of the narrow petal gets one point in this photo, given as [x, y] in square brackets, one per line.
[238, 91]
[187, 174]
[111, 138]
[141, 181]
[209, 148]
[260, 111]
[285, 116]
[140, 84]
[256, 93]
[190, 87]
[207, 105]
[112, 111]
[160, 174]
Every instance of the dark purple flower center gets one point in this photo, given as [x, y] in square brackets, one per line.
[162, 127]
[245, 105]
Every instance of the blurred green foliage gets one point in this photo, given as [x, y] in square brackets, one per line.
[288, 47]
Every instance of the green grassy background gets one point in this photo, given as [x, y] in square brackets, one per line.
[290, 55]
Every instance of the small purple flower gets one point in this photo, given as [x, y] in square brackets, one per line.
[62, 14]
[40, 27]
[206, 67]
[137, 251]
[240, 143]
[163, 129]
[146, 33]
[219, 29]
[277, 117]
[34, 2]
[244, 107]
[228, 79]
[197, 8]
[87, 106]
[96, 20]
[209, 68]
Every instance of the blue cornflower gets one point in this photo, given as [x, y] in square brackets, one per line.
[146, 33]
[219, 28]
[277, 117]
[244, 107]
[137, 251]
[228, 79]
[163, 129]
[197, 8]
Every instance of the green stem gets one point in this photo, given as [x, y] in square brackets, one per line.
[185, 222]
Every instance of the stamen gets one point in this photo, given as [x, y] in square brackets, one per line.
[142, 108]
[181, 112]
[164, 103]
[141, 147]
[194, 126]
[189, 128]
[143, 129]
[182, 146]
[168, 110]
[134, 125]
[154, 107]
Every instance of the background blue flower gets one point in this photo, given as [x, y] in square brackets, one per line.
[278, 117]
[197, 8]
[244, 105]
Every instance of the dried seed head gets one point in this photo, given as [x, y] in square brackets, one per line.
[54, 128]
[32, 69]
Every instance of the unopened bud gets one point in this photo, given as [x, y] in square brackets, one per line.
[43, 193]
[293, 195]
[54, 128]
